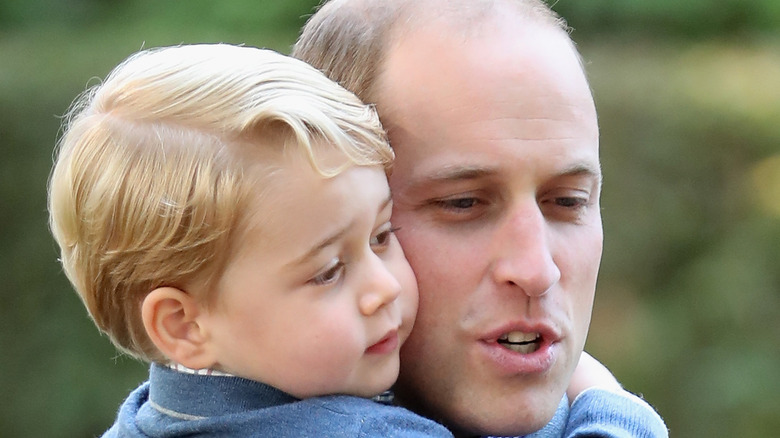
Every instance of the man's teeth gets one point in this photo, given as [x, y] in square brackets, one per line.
[518, 337]
[520, 342]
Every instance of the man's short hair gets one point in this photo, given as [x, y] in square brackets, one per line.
[349, 39]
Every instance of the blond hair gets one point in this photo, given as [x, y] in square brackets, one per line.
[348, 40]
[149, 182]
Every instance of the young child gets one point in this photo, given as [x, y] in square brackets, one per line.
[223, 213]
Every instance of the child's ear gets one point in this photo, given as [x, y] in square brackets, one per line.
[170, 317]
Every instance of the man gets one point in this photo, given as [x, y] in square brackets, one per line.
[496, 195]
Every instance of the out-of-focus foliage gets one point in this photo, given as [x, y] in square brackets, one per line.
[691, 18]
[690, 285]
[689, 101]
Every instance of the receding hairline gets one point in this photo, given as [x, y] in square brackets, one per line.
[469, 15]
[468, 19]
[350, 40]
[406, 14]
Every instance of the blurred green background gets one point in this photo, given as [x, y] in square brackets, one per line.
[688, 300]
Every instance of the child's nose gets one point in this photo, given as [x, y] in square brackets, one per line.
[381, 287]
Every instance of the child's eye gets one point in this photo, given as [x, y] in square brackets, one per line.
[330, 275]
[380, 240]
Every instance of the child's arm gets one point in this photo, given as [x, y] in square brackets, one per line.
[601, 407]
[590, 373]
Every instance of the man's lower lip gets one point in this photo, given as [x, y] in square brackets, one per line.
[386, 345]
[512, 362]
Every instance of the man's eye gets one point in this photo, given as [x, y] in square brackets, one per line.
[567, 208]
[457, 203]
[570, 202]
[330, 275]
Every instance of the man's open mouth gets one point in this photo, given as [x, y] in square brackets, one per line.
[521, 342]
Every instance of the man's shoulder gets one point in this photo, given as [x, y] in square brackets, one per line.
[598, 411]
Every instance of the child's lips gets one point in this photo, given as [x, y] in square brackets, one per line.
[387, 344]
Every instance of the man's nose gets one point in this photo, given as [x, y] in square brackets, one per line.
[523, 255]
[380, 287]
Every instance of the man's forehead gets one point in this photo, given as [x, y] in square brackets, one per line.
[417, 65]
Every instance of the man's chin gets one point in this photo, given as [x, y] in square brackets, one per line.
[508, 423]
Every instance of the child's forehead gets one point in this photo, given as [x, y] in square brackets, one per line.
[283, 179]
[276, 183]
[294, 205]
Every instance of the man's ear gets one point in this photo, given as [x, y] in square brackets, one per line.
[170, 317]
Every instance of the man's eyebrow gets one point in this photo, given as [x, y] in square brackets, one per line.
[454, 173]
[582, 169]
[329, 240]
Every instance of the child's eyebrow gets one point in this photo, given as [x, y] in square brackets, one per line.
[324, 243]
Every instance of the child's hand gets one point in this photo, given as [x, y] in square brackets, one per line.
[590, 373]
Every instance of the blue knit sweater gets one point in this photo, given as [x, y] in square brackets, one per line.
[605, 414]
[175, 404]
